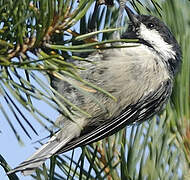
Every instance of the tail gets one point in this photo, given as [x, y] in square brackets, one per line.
[56, 143]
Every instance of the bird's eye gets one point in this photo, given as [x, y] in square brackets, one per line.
[130, 28]
[150, 25]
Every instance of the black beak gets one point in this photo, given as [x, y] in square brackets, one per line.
[132, 16]
[130, 33]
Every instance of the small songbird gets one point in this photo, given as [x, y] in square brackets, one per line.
[140, 77]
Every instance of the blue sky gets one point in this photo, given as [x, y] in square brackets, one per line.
[14, 152]
[11, 150]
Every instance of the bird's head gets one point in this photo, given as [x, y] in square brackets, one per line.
[153, 33]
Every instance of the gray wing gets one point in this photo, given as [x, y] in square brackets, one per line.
[142, 110]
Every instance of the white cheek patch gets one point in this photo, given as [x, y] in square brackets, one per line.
[153, 37]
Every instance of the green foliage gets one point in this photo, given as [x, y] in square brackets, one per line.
[37, 38]
[6, 168]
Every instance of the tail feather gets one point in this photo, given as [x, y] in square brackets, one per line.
[54, 145]
[42, 154]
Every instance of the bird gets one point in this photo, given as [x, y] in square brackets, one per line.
[140, 77]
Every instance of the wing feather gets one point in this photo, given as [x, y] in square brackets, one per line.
[143, 110]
